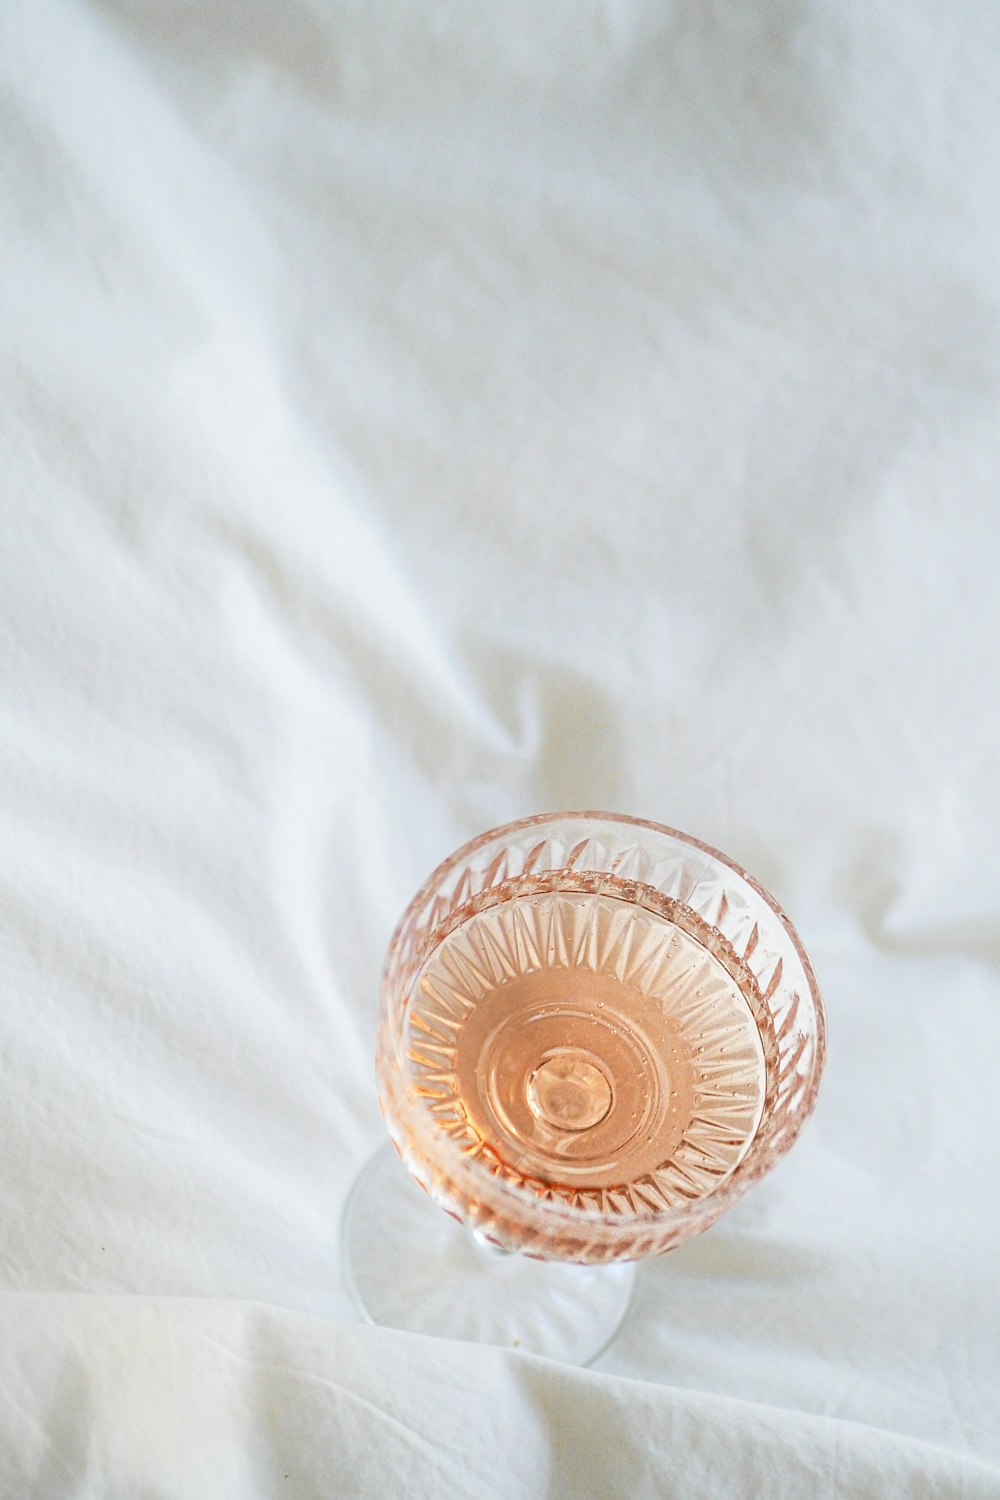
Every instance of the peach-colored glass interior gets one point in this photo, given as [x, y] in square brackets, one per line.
[596, 1034]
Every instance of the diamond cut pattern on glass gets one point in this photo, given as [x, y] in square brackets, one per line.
[668, 874]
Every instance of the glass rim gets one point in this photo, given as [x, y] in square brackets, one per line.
[535, 820]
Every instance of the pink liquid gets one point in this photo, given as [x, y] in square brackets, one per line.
[589, 1047]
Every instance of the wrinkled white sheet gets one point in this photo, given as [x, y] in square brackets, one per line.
[415, 416]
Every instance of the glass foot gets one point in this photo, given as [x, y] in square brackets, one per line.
[410, 1265]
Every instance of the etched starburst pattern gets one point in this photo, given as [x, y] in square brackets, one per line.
[453, 971]
[661, 1027]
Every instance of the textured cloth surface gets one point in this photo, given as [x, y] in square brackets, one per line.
[418, 416]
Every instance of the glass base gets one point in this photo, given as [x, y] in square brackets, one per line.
[410, 1265]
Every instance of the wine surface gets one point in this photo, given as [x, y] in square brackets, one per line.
[588, 1047]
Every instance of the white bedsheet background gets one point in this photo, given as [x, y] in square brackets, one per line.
[415, 416]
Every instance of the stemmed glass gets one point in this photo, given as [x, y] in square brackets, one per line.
[596, 1034]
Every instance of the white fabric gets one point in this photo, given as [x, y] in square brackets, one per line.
[416, 416]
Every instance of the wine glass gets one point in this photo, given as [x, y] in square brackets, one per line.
[596, 1034]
